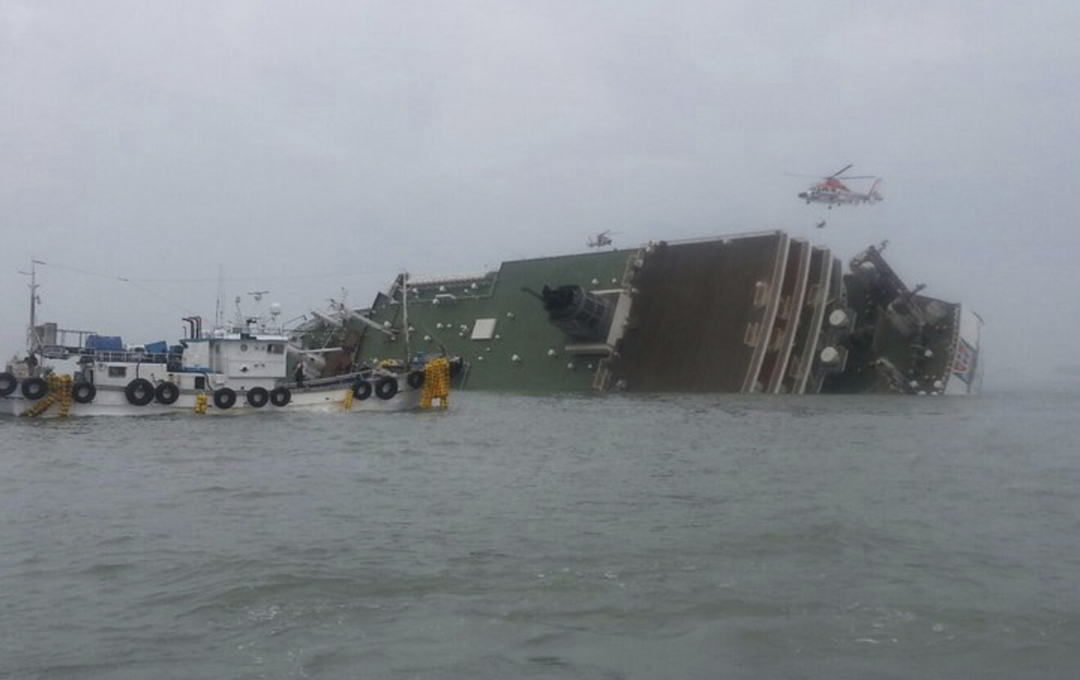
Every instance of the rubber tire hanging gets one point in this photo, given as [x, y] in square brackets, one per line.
[257, 397]
[8, 384]
[224, 398]
[139, 392]
[361, 390]
[280, 396]
[167, 393]
[35, 388]
[386, 388]
[83, 392]
[457, 364]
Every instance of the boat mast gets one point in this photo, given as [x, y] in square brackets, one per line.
[405, 314]
[32, 340]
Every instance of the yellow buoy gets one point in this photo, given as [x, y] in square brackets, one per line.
[436, 383]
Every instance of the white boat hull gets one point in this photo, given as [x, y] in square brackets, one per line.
[113, 402]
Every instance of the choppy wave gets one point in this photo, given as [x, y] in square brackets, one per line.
[544, 537]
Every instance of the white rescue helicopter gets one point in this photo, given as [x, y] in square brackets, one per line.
[832, 191]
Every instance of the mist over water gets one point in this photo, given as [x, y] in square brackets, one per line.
[549, 537]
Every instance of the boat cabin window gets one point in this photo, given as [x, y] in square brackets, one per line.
[275, 349]
[117, 371]
[200, 382]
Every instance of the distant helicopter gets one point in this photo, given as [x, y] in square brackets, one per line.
[602, 239]
[832, 191]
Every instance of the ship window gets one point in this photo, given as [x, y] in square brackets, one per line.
[117, 371]
[483, 329]
[761, 293]
[753, 331]
[276, 349]
[200, 382]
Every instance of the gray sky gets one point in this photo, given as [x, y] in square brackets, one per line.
[306, 147]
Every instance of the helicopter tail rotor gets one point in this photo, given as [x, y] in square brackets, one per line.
[874, 193]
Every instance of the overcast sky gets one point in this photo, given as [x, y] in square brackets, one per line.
[303, 147]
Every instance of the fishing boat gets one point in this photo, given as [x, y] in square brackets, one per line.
[250, 366]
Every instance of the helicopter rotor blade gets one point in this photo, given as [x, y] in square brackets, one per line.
[842, 170]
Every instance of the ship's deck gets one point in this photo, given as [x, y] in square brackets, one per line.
[689, 323]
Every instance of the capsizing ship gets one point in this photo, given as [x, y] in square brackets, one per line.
[745, 313]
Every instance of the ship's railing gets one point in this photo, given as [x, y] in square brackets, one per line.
[423, 281]
[61, 352]
[128, 356]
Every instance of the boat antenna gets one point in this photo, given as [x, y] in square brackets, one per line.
[218, 311]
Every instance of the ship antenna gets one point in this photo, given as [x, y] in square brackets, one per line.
[218, 311]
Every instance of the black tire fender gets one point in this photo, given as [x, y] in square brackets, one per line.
[139, 392]
[83, 392]
[386, 388]
[35, 388]
[415, 379]
[280, 396]
[224, 398]
[257, 397]
[456, 366]
[361, 390]
[167, 393]
[8, 383]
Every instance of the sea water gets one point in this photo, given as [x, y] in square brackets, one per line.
[550, 537]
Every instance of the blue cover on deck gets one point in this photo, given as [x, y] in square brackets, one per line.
[160, 347]
[108, 343]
